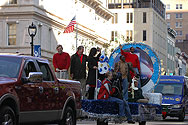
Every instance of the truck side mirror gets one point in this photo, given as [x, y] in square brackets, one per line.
[35, 77]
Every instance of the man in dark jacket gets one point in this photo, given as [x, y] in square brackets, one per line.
[78, 68]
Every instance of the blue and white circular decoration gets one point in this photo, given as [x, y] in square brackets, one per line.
[149, 64]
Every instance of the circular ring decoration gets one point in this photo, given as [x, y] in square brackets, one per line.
[149, 64]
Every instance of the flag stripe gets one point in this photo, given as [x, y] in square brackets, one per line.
[70, 27]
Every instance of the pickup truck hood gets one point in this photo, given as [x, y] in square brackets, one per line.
[171, 99]
[4, 80]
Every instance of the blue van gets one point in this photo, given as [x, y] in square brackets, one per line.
[175, 96]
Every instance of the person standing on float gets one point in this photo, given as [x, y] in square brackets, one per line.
[133, 58]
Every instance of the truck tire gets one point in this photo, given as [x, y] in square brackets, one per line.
[7, 116]
[68, 117]
[182, 116]
[142, 123]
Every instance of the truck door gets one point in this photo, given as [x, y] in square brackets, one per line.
[50, 100]
[28, 93]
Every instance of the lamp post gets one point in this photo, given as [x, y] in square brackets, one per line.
[32, 30]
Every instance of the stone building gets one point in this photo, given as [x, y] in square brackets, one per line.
[51, 18]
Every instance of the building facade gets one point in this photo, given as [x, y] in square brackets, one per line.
[181, 62]
[171, 51]
[177, 17]
[140, 21]
[51, 18]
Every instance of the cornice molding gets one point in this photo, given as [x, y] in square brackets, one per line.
[98, 7]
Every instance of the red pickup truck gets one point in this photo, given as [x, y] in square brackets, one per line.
[30, 92]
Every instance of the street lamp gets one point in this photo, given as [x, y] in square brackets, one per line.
[32, 30]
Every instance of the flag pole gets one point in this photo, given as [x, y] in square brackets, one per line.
[76, 35]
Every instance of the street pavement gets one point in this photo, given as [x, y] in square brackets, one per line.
[167, 121]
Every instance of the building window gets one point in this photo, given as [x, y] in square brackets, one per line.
[168, 6]
[116, 35]
[179, 33]
[168, 24]
[179, 6]
[11, 33]
[144, 35]
[178, 24]
[179, 40]
[12, 1]
[167, 16]
[179, 15]
[112, 35]
[129, 17]
[144, 17]
[116, 18]
[129, 34]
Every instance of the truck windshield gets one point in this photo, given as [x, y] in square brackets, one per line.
[169, 89]
[9, 67]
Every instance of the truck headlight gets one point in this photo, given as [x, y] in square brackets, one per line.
[177, 106]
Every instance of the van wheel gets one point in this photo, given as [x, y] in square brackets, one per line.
[69, 117]
[7, 116]
[164, 117]
[142, 123]
[102, 122]
[182, 116]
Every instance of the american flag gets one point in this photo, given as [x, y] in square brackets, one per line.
[70, 27]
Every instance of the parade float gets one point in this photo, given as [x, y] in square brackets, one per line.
[104, 111]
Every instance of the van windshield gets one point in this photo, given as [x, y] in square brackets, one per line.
[169, 89]
[9, 67]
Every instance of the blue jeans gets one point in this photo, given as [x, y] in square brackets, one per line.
[125, 89]
[127, 111]
[121, 105]
[139, 83]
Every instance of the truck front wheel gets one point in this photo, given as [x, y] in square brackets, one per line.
[142, 123]
[7, 116]
[68, 117]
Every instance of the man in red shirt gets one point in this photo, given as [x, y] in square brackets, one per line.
[61, 62]
[133, 58]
